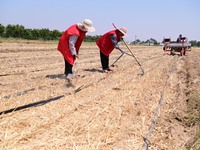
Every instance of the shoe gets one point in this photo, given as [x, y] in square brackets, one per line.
[69, 76]
[107, 70]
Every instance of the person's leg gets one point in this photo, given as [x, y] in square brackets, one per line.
[68, 67]
[104, 61]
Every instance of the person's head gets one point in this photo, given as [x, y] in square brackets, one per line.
[122, 31]
[180, 36]
[86, 26]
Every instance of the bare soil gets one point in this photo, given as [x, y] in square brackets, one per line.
[38, 110]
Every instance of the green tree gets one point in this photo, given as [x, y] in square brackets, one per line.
[35, 34]
[2, 30]
[90, 38]
[152, 40]
[44, 34]
[9, 31]
[198, 43]
[19, 31]
[55, 34]
[193, 43]
[27, 34]
[137, 41]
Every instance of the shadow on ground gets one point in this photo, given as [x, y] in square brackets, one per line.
[94, 70]
[54, 76]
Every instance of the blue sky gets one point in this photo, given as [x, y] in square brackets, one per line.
[143, 19]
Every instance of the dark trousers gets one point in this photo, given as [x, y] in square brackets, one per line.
[68, 67]
[104, 61]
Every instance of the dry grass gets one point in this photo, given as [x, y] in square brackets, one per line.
[102, 111]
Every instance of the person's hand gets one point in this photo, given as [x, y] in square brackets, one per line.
[75, 56]
[117, 47]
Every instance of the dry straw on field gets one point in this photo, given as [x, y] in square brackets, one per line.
[101, 111]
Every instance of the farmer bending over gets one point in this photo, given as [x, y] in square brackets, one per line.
[70, 43]
[107, 43]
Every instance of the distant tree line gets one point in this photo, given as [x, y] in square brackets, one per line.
[195, 43]
[20, 32]
[90, 38]
[150, 41]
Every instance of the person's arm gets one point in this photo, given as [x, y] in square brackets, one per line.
[72, 42]
[114, 40]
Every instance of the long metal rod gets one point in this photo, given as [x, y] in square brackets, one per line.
[128, 54]
[134, 57]
[120, 57]
[117, 59]
[131, 52]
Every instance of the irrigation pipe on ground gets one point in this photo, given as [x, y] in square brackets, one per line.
[157, 112]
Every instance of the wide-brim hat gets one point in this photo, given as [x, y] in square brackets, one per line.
[87, 23]
[123, 30]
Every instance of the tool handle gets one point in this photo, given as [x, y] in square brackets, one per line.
[114, 26]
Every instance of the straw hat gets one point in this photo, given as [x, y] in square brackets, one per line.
[87, 23]
[123, 30]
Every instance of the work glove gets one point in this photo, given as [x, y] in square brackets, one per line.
[117, 47]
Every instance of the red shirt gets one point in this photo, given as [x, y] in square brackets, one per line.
[63, 45]
[105, 43]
